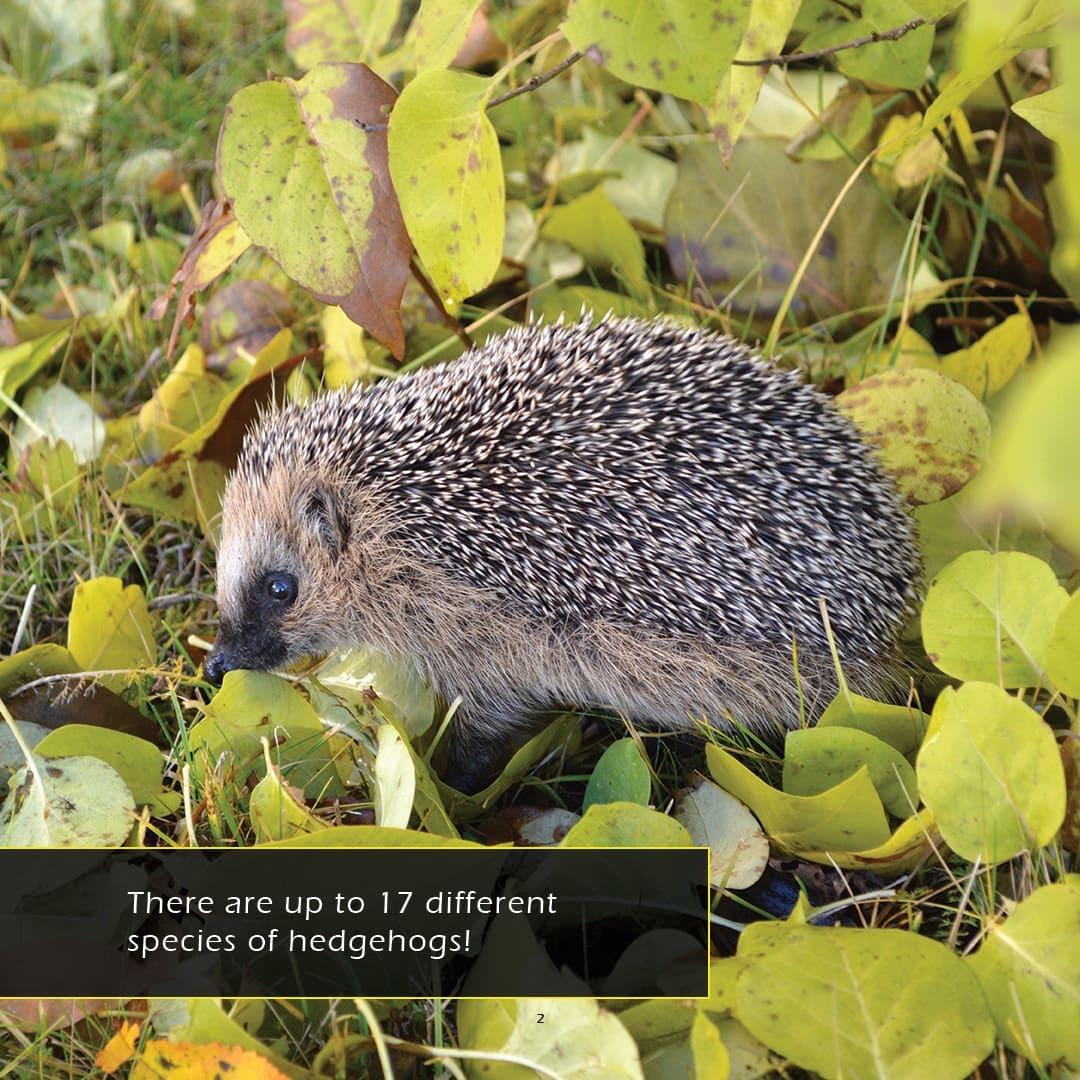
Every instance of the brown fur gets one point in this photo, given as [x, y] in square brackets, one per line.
[506, 669]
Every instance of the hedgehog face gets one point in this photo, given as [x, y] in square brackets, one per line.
[283, 543]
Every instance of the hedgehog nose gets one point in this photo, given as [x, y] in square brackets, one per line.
[217, 664]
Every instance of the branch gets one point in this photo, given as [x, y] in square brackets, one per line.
[895, 34]
[536, 80]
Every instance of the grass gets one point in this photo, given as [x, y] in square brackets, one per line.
[163, 82]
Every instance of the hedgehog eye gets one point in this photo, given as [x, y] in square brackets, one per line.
[281, 587]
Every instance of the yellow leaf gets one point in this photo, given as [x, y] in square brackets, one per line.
[993, 360]
[933, 434]
[110, 628]
[188, 397]
[847, 817]
[447, 172]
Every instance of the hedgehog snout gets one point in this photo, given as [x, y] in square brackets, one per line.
[217, 664]
[253, 648]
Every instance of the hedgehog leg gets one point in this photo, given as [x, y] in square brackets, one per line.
[482, 739]
[466, 771]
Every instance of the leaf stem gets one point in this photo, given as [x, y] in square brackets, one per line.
[433, 296]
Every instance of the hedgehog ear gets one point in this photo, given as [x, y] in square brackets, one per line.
[327, 520]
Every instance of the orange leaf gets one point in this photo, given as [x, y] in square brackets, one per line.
[119, 1048]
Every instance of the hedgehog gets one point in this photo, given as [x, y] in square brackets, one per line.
[632, 515]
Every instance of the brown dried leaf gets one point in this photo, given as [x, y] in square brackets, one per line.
[219, 240]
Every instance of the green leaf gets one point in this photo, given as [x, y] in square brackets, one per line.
[188, 481]
[991, 362]
[621, 775]
[847, 817]
[578, 1040]
[309, 184]
[817, 759]
[321, 30]
[445, 164]
[1036, 452]
[592, 226]
[21, 362]
[626, 825]
[681, 47]
[76, 802]
[370, 684]
[933, 433]
[864, 1003]
[395, 778]
[252, 706]
[901, 726]
[441, 27]
[643, 180]
[991, 774]
[34, 663]
[57, 35]
[566, 729]
[990, 617]
[957, 525]
[57, 703]
[909, 846]
[991, 34]
[139, 763]
[56, 412]
[348, 356]
[1029, 969]
[844, 123]
[49, 477]
[766, 31]
[658, 1019]
[187, 397]
[1065, 188]
[278, 811]
[1049, 112]
[707, 1045]
[1063, 651]
[900, 63]
[742, 232]
[110, 628]
[67, 106]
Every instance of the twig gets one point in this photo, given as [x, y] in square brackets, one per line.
[895, 34]
[173, 599]
[536, 80]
